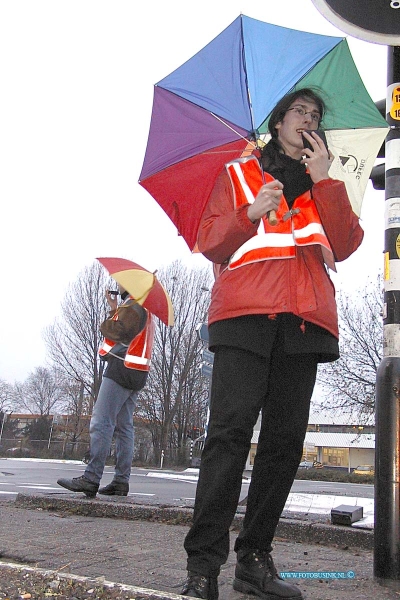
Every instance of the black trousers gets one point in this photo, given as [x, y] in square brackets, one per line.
[281, 386]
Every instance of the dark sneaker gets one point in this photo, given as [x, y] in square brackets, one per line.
[200, 586]
[115, 488]
[80, 484]
[255, 573]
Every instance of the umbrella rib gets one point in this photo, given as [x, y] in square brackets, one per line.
[233, 129]
[246, 74]
[137, 300]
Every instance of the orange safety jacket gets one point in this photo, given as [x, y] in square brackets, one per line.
[138, 353]
[298, 226]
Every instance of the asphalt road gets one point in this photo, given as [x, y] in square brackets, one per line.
[153, 485]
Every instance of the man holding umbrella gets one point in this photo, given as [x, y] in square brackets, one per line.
[128, 340]
[272, 319]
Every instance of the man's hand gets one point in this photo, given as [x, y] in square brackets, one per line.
[267, 199]
[112, 300]
[319, 160]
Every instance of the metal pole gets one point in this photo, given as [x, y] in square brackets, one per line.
[387, 452]
[51, 431]
[191, 453]
[2, 425]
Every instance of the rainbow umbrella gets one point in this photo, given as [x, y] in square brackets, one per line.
[142, 285]
[215, 108]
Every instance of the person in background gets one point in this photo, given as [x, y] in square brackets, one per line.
[128, 340]
[272, 319]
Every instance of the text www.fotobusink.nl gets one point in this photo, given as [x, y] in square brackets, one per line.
[317, 574]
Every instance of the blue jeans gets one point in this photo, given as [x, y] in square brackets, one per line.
[112, 412]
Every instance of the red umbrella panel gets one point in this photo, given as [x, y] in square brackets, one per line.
[183, 187]
[142, 285]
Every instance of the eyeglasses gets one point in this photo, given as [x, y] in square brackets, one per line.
[300, 110]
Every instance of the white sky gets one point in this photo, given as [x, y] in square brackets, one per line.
[77, 82]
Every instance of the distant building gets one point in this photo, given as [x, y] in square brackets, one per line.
[340, 449]
[333, 439]
[328, 421]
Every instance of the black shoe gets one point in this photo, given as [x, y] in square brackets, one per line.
[80, 484]
[200, 586]
[255, 573]
[115, 488]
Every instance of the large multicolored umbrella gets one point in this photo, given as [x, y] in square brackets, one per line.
[215, 108]
[142, 285]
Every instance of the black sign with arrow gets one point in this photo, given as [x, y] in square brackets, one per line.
[374, 21]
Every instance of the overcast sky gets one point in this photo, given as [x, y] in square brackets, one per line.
[77, 82]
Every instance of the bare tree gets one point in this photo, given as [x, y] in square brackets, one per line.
[75, 425]
[6, 406]
[351, 381]
[175, 397]
[6, 396]
[41, 393]
[73, 340]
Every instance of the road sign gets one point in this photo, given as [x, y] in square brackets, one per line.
[208, 356]
[206, 370]
[202, 332]
[374, 21]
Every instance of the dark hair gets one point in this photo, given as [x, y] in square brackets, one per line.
[284, 104]
[271, 154]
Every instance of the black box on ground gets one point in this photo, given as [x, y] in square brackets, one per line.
[346, 515]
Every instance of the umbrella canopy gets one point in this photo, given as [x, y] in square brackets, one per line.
[215, 108]
[142, 285]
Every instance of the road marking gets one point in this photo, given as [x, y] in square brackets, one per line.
[182, 499]
[37, 487]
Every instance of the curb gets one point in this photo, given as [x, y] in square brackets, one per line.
[138, 593]
[297, 530]
[323, 533]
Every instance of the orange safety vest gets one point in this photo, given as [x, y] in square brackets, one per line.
[299, 226]
[138, 353]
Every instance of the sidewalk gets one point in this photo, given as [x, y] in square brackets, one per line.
[140, 546]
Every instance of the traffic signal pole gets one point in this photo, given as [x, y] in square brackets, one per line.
[378, 21]
[387, 424]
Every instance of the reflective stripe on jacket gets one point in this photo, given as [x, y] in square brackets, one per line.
[301, 285]
[138, 353]
[300, 226]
